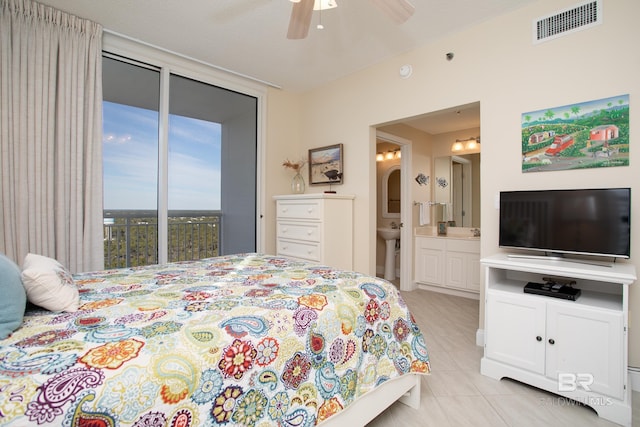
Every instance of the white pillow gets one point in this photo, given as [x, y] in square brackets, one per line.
[48, 284]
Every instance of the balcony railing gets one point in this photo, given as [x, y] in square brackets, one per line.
[131, 236]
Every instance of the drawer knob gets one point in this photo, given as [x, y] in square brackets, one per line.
[538, 338]
[284, 230]
[310, 210]
[309, 232]
[552, 341]
[285, 247]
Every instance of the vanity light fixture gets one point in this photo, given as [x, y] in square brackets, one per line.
[457, 146]
[472, 144]
[389, 155]
[466, 144]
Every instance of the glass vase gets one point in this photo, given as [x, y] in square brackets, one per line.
[297, 184]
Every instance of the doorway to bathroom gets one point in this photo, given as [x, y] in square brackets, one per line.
[429, 137]
[393, 169]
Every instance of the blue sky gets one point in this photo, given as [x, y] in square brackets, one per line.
[130, 144]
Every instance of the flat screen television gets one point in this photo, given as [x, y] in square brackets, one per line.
[585, 221]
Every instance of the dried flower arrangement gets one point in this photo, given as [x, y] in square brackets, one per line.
[296, 166]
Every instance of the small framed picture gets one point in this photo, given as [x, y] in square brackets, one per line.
[442, 228]
[325, 165]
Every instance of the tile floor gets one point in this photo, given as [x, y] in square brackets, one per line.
[456, 394]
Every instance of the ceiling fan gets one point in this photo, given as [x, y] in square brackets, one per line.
[397, 10]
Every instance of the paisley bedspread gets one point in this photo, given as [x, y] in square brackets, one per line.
[241, 340]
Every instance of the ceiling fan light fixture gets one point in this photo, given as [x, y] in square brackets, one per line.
[324, 4]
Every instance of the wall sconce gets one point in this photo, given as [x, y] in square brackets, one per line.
[472, 143]
[379, 157]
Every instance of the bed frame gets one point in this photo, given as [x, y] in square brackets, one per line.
[405, 389]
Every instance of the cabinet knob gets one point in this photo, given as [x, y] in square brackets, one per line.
[538, 338]
[310, 210]
[284, 230]
[552, 341]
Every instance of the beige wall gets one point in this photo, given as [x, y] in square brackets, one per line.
[497, 64]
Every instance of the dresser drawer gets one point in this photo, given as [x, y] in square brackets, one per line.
[299, 210]
[299, 230]
[310, 251]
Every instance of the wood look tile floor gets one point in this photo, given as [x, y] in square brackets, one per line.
[456, 394]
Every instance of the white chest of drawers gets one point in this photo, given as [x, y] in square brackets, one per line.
[316, 227]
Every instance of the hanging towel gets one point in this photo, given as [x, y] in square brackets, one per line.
[449, 212]
[425, 217]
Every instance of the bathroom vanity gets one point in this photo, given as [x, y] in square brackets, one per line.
[449, 264]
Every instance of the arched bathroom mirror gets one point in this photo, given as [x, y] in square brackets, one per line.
[391, 193]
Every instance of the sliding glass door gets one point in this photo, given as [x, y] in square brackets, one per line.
[179, 167]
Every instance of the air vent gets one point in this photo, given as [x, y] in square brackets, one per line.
[567, 21]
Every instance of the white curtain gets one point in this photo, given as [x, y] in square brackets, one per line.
[50, 135]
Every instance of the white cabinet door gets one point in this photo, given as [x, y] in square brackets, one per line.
[429, 265]
[456, 263]
[587, 344]
[473, 272]
[515, 331]
[463, 271]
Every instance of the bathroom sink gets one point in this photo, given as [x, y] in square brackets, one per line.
[390, 236]
[389, 233]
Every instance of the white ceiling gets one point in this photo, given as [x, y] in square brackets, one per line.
[249, 36]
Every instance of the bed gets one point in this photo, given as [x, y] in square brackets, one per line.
[240, 340]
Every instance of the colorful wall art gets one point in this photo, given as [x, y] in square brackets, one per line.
[591, 134]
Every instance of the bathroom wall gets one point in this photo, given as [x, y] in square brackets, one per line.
[421, 163]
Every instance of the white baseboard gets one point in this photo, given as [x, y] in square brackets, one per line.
[480, 337]
[634, 377]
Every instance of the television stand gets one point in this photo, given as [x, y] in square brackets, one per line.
[576, 349]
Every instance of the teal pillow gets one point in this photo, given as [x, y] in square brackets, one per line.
[14, 297]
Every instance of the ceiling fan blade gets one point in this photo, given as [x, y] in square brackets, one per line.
[398, 10]
[300, 19]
